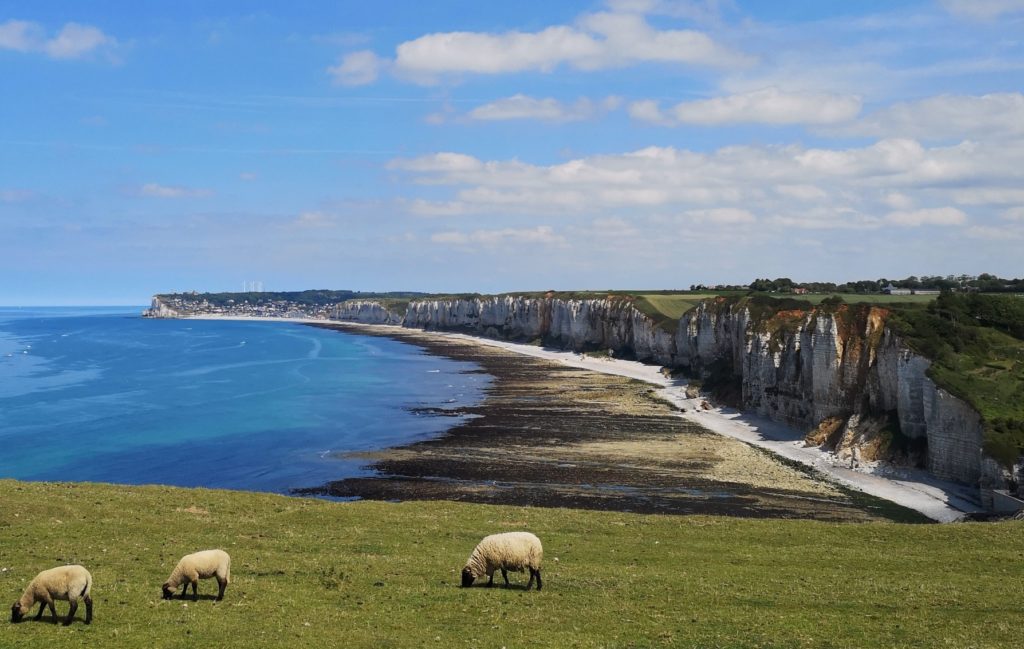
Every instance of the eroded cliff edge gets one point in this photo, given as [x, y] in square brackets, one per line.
[837, 372]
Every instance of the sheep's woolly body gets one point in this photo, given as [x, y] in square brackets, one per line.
[509, 551]
[201, 565]
[66, 583]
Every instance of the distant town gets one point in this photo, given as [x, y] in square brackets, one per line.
[320, 304]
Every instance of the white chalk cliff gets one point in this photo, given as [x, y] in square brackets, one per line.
[801, 368]
[157, 309]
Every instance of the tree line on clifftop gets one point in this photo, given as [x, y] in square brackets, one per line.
[984, 283]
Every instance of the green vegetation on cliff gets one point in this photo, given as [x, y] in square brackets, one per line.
[665, 309]
[311, 573]
[976, 343]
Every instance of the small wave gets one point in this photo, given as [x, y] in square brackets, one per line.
[433, 371]
[317, 348]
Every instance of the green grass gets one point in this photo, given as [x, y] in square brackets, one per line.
[669, 306]
[309, 573]
[980, 364]
[868, 298]
[398, 306]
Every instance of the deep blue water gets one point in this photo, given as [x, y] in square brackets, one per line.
[101, 394]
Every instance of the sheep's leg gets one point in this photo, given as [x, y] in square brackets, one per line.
[184, 589]
[222, 584]
[39, 615]
[88, 609]
[504, 573]
[195, 591]
[490, 580]
[71, 612]
[53, 610]
[530, 583]
[538, 579]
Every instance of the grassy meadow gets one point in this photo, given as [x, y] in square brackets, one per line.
[312, 573]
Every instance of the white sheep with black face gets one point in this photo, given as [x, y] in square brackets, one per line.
[509, 551]
[199, 565]
[68, 583]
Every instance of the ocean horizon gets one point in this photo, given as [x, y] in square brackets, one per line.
[101, 394]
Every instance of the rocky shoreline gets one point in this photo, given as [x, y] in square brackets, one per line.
[557, 436]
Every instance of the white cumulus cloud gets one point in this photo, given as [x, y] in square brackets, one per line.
[20, 36]
[765, 106]
[546, 110]
[596, 41]
[723, 216]
[73, 41]
[931, 216]
[1013, 214]
[357, 68]
[945, 117]
[539, 235]
[896, 183]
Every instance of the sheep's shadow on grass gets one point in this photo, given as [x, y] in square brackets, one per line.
[521, 587]
[60, 619]
[188, 598]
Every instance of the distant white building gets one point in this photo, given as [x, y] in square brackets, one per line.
[892, 290]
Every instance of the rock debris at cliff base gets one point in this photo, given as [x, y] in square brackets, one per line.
[552, 435]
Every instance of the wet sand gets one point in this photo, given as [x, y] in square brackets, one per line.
[548, 434]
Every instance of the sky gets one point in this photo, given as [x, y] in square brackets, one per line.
[478, 146]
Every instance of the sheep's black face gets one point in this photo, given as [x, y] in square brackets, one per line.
[467, 578]
[168, 593]
[16, 614]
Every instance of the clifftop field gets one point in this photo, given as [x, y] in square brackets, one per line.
[366, 574]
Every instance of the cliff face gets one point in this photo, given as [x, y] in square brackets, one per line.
[611, 323]
[158, 309]
[366, 312]
[805, 368]
[841, 373]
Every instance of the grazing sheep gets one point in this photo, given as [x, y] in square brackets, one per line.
[64, 582]
[200, 565]
[508, 551]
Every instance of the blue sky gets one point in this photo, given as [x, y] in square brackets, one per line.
[468, 146]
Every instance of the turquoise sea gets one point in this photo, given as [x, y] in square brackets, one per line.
[101, 394]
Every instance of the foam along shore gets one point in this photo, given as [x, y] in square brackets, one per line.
[939, 500]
